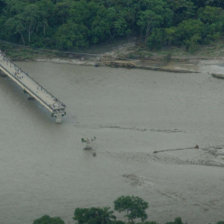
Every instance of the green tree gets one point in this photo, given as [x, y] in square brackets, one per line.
[101, 24]
[26, 22]
[217, 3]
[46, 8]
[211, 14]
[48, 220]
[14, 7]
[170, 35]
[213, 17]
[182, 9]
[61, 12]
[15, 26]
[31, 15]
[2, 5]
[149, 20]
[72, 24]
[156, 15]
[94, 215]
[189, 33]
[177, 220]
[199, 3]
[148, 222]
[157, 39]
[120, 222]
[71, 35]
[133, 206]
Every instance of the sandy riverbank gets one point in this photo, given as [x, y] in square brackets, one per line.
[126, 54]
[195, 65]
[119, 57]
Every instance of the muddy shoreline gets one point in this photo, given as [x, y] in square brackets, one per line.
[150, 64]
[114, 59]
[187, 65]
[121, 55]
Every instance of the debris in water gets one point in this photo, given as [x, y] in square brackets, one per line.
[88, 143]
[178, 149]
[218, 75]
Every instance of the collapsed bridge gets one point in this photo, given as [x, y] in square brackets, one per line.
[32, 88]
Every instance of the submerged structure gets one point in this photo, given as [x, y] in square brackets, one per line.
[32, 88]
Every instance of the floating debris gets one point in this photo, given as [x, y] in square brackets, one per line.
[218, 75]
[178, 149]
[88, 143]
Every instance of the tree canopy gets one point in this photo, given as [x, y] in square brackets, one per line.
[74, 24]
[48, 220]
[133, 206]
[94, 215]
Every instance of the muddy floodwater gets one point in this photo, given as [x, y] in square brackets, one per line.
[132, 113]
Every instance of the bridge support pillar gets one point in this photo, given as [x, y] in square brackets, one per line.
[29, 97]
[58, 118]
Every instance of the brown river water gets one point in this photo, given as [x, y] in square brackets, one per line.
[132, 113]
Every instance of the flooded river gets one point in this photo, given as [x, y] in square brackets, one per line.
[132, 113]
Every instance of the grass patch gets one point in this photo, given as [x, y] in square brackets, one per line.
[21, 53]
[216, 49]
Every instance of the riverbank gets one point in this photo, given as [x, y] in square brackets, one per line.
[125, 54]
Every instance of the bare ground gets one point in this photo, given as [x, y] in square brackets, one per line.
[128, 55]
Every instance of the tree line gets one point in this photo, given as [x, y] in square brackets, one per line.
[75, 24]
[133, 208]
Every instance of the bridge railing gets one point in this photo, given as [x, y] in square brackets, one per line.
[34, 89]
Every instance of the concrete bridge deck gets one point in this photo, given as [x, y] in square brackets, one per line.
[32, 88]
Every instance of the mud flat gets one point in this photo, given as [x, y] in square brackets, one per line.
[154, 65]
[132, 113]
[150, 64]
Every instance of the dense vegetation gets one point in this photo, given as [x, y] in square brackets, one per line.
[72, 24]
[133, 207]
